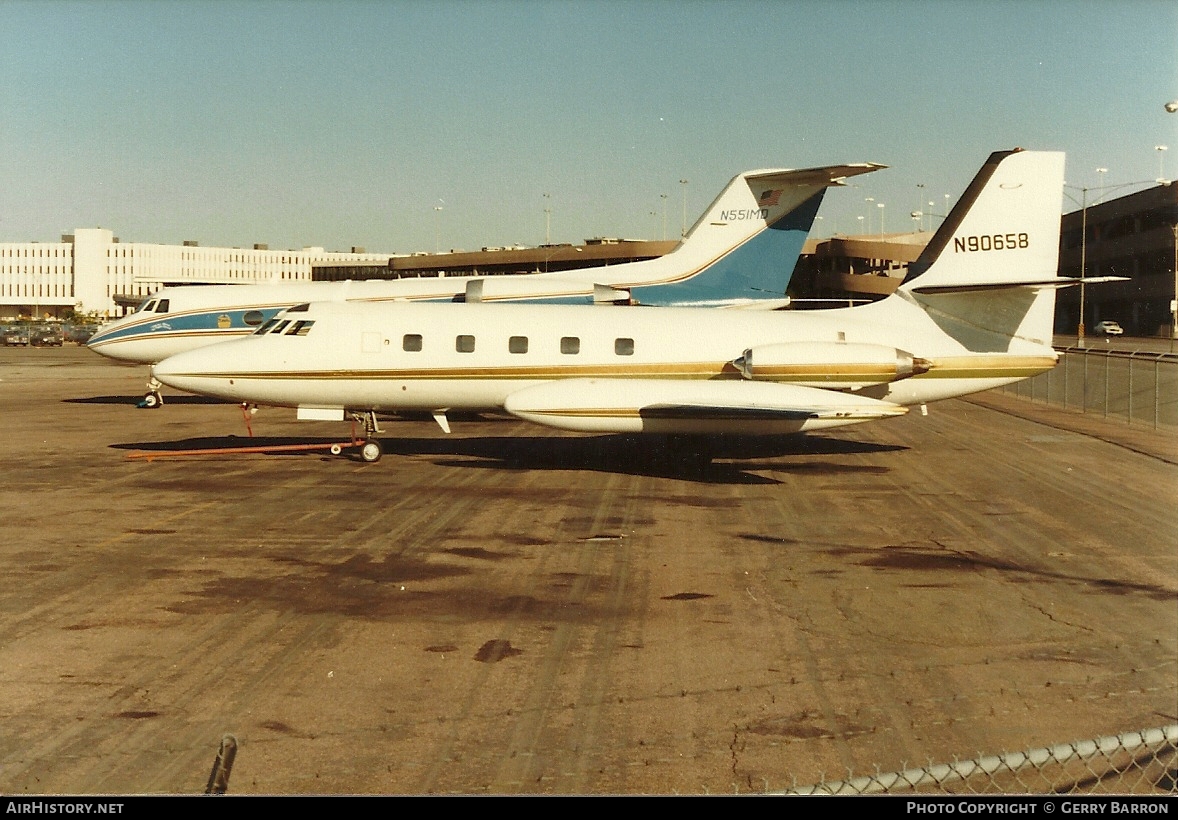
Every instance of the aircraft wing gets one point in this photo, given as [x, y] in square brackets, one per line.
[679, 406]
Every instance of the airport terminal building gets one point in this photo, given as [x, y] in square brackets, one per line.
[91, 271]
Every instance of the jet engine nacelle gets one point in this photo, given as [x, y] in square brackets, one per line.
[833, 365]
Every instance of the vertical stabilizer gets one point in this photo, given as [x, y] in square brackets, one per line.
[989, 275]
[1004, 228]
[747, 241]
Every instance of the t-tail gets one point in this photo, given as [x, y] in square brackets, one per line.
[743, 248]
[988, 277]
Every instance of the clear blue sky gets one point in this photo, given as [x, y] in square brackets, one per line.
[347, 123]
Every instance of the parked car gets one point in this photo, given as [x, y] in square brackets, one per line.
[16, 337]
[1108, 328]
[80, 334]
[45, 337]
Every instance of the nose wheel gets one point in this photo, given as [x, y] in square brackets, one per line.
[370, 451]
[151, 400]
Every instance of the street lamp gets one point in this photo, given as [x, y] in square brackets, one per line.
[1100, 172]
[1174, 301]
[663, 197]
[1083, 264]
[869, 199]
[880, 205]
[683, 230]
[1161, 149]
[437, 228]
[547, 219]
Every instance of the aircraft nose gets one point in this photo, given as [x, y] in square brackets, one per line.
[171, 371]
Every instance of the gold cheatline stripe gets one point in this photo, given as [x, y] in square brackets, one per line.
[954, 368]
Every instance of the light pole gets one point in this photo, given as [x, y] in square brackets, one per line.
[880, 205]
[547, 219]
[683, 230]
[1161, 149]
[437, 229]
[1174, 302]
[1083, 262]
[663, 197]
[1100, 172]
[869, 200]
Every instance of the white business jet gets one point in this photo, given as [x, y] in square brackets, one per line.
[975, 312]
[740, 253]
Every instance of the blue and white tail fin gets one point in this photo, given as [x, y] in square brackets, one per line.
[988, 277]
[743, 248]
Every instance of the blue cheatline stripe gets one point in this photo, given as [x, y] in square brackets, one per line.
[176, 324]
[759, 269]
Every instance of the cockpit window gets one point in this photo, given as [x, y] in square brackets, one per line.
[266, 327]
[148, 306]
[162, 307]
[281, 326]
[300, 328]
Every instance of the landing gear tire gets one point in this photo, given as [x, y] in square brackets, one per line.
[370, 451]
[151, 400]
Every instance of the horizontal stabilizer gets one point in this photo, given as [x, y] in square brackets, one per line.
[1054, 283]
[825, 175]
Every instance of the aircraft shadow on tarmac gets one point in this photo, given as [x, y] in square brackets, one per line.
[712, 460]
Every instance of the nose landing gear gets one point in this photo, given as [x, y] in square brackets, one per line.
[152, 399]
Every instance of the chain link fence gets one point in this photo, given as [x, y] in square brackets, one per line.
[1140, 763]
[1137, 387]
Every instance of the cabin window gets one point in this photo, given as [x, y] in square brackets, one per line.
[301, 328]
[253, 318]
[411, 342]
[570, 344]
[517, 344]
[162, 307]
[624, 347]
[464, 344]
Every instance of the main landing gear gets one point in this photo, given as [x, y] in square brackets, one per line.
[370, 451]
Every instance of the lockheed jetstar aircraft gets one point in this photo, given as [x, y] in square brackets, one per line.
[740, 253]
[975, 312]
